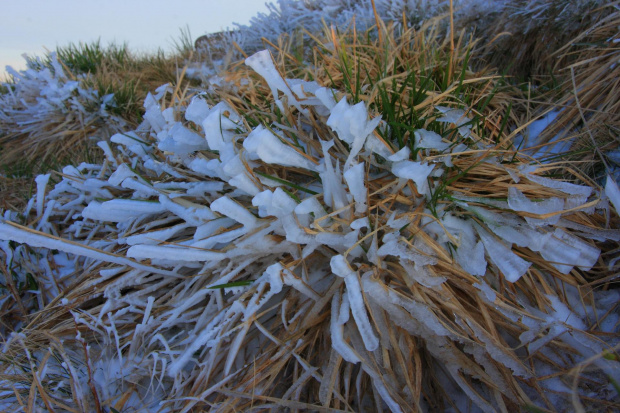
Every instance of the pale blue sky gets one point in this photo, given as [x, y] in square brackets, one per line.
[30, 26]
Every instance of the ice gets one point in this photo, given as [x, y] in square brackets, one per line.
[131, 141]
[326, 96]
[378, 146]
[429, 140]
[566, 187]
[415, 171]
[234, 210]
[120, 174]
[181, 141]
[352, 126]
[41, 181]
[262, 63]
[395, 246]
[355, 178]
[37, 239]
[271, 150]
[192, 213]
[310, 206]
[511, 265]
[457, 117]
[535, 128]
[486, 292]
[401, 155]
[519, 202]
[220, 130]
[198, 110]
[565, 251]
[337, 333]
[277, 203]
[155, 237]
[469, 253]
[613, 192]
[334, 193]
[244, 183]
[120, 210]
[341, 268]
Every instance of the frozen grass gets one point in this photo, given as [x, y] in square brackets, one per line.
[413, 263]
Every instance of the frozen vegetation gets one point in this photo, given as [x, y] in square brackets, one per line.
[211, 262]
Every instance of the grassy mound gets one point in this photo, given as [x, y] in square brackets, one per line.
[355, 221]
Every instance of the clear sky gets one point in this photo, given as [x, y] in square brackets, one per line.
[30, 26]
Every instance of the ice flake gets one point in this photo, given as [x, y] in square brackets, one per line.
[517, 201]
[511, 265]
[336, 328]
[326, 96]
[220, 130]
[120, 174]
[154, 237]
[415, 171]
[566, 187]
[536, 127]
[334, 192]
[341, 268]
[262, 63]
[352, 126]
[401, 155]
[41, 181]
[277, 203]
[234, 210]
[194, 214]
[469, 253]
[613, 192]
[197, 111]
[355, 178]
[120, 210]
[565, 251]
[271, 150]
[429, 140]
[181, 141]
[457, 117]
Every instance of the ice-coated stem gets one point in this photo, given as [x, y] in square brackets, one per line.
[341, 268]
